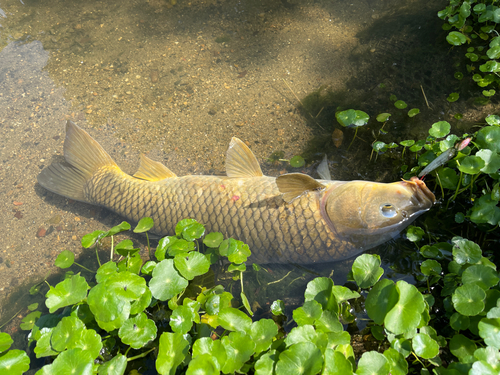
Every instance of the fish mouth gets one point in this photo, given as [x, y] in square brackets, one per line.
[424, 197]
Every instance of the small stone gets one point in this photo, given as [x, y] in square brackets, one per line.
[56, 219]
[77, 219]
[18, 215]
[41, 232]
[73, 238]
[17, 203]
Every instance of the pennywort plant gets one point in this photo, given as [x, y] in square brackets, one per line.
[159, 312]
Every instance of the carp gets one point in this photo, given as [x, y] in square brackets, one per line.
[292, 218]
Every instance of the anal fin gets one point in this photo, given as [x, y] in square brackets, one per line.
[151, 170]
[293, 185]
[240, 160]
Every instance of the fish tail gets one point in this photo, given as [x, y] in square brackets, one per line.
[84, 155]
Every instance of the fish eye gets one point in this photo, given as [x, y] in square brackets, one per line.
[388, 210]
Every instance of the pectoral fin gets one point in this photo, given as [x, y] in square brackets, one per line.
[240, 160]
[151, 170]
[293, 185]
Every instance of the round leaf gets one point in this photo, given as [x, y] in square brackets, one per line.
[336, 363]
[383, 117]
[138, 331]
[65, 259]
[234, 320]
[424, 346]
[115, 366]
[413, 112]
[491, 161]
[493, 119]
[192, 264]
[14, 362]
[145, 224]
[469, 299]
[373, 363]
[297, 161]
[193, 231]
[407, 313]
[400, 104]
[172, 351]
[462, 347]
[381, 299]
[307, 313]
[5, 341]
[66, 293]
[366, 270]
[483, 276]
[213, 239]
[440, 129]
[262, 333]
[489, 330]
[465, 251]
[303, 358]
[166, 281]
[456, 38]
[489, 137]
[471, 164]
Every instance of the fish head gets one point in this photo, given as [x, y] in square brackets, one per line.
[369, 213]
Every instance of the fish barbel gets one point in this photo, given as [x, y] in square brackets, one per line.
[292, 218]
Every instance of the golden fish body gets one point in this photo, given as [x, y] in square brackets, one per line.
[292, 218]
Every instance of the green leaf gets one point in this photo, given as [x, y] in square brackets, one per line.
[407, 312]
[14, 362]
[400, 104]
[414, 234]
[491, 160]
[381, 299]
[413, 112]
[471, 164]
[489, 330]
[193, 231]
[138, 331]
[383, 117]
[453, 97]
[469, 299]
[182, 319]
[172, 351]
[122, 227]
[182, 224]
[90, 239]
[465, 251]
[214, 349]
[297, 161]
[191, 264]
[373, 363]
[430, 267]
[303, 358]
[456, 38]
[307, 313]
[148, 267]
[5, 341]
[126, 248]
[483, 276]
[72, 361]
[29, 321]
[65, 259]
[485, 210]
[462, 347]
[489, 138]
[440, 129]
[336, 363]
[278, 307]
[459, 322]
[110, 309]
[145, 224]
[116, 366]
[236, 251]
[407, 143]
[239, 348]
[213, 239]
[66, 293]
[366, 270]
[166, 281]
[424, 346]
[67, 331]
[203, 364]
[493, 119]
[262, 333]
[398, 363]
[448, 178]
[320, 290]
[234, 320]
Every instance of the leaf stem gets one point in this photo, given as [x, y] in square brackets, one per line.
[85, 268]
[140, 355]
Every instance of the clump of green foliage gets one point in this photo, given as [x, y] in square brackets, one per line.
[158, 310]
[475, 23]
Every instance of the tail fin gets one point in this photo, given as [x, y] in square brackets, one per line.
[85, 157]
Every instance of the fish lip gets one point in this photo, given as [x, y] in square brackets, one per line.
[424, 196]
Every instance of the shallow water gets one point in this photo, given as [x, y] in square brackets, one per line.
[178, 81]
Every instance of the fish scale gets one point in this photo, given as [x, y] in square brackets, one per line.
[248, 209]
[290, 218]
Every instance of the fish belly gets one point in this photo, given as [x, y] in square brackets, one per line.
[248, 209]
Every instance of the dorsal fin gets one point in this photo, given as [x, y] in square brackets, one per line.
[151, 170]
[240, 161]
[293, 185]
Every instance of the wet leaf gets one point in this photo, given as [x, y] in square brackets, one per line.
[383, 117]
[148, 267]
[191, 264]
[239, 348]
[278, 307]
[234, 320]
[183, 224]
[366, 270]
[193, 231]
[483, 276]
[328, 322]
[453, 97]
[413, 112]
[430, 267]
[400, 104]
[145, 224]
[235, 251]
[407, 312]
[116, 366]
[297, 161]
[491, 161]
[307, 313]
[213, 239]
[137, 331]
[90, 239]
[489, 138]
[493, 119]
[65, 259]
[440, 129]
[66, 293]
[320, 290]
[397, 362]
[471, 164]
[110, 310]
[462, 347]
[303, 358]
[182, 319]
[373, 363]
[172, 351]
[456, 38]
[424, 346]
[459, 322]
[122, 227]
[14, 362]
[68, 330]
[262, 333]
[485, 210]
[203, 364]
[29, 320]
[407, 143]
[469, 299]
[489, 330]
[166, 281]
[5, 341]
[381, 299]
[72, 361]
[336, 363]
[465, 251]
[414, 234]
